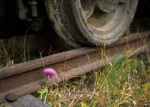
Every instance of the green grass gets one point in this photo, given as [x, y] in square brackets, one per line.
[124, 82]
[118, 80]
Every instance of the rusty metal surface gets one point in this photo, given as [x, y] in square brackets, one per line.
[37, 63]
[25, 78]
[132, 38]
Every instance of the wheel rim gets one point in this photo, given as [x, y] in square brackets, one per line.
[100, 17]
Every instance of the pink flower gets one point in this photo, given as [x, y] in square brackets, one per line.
[49, 72]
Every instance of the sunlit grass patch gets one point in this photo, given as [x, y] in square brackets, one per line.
[118, 81]
[124, 82]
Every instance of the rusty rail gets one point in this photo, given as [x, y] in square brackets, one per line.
[24, 78]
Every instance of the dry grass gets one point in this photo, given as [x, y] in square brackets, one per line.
[124, 82]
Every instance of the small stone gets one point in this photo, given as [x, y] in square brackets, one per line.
[11, 97]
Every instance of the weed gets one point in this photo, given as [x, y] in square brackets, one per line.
[25, 37]
[43, 93]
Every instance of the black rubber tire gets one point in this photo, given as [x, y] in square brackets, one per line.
[69, 26]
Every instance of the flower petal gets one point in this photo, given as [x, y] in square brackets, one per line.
[50, 72]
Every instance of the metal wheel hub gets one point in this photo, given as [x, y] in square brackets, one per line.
[97, 14]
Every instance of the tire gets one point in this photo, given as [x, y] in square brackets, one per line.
[91, 22]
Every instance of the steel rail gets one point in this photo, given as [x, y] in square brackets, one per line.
[24, 78]
[38, 63]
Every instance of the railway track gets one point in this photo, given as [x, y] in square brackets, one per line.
[25, 78]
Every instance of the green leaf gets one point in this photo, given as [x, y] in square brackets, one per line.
[83, 104]
[49, 104]
[93, 104]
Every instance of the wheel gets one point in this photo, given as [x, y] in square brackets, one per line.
[91, 22]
